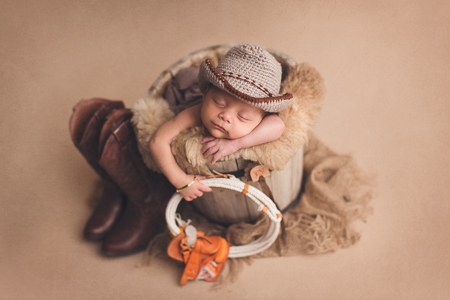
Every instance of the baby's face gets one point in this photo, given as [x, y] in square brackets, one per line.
[227, 117]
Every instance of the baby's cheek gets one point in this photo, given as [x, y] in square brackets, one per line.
[242, 131]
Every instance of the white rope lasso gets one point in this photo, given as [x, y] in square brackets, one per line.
[265, 204]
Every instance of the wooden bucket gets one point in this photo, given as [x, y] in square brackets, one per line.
[222, 205]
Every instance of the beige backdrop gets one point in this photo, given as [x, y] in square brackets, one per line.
[386, 66]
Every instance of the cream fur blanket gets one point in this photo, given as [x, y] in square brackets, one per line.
[302, 81]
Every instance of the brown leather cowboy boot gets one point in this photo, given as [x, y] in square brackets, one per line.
[147, 194]
[86, 124]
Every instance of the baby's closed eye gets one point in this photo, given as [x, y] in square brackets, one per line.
[219, 102]
[243, 117]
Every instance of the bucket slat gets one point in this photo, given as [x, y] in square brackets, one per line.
[285, 184]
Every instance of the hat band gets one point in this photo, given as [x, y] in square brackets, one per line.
[240, 94]
[251, 81]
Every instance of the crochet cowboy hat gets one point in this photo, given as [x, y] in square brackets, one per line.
[249, 73]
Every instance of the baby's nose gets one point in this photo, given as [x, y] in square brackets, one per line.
[225, 116]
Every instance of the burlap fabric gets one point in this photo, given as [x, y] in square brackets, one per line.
[335, 196]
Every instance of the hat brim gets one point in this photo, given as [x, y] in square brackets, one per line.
[208, 74]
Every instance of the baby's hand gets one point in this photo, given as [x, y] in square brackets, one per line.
[218, 147]
[196, 189]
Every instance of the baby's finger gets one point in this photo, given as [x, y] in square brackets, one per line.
[215, 158]
[209, 152]
[203, 187]
[200, 177]
[207, 139]
[205, 147]
[206, 153]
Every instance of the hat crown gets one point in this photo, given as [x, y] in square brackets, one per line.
[251, 74]
[251, 68]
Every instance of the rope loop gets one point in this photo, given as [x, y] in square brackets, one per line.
[264, 203]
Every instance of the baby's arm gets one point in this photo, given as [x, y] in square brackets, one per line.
[162, 153]
[270, 129]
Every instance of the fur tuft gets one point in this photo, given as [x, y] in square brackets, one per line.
[149, 115]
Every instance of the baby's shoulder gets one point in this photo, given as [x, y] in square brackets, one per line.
[190, 117]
